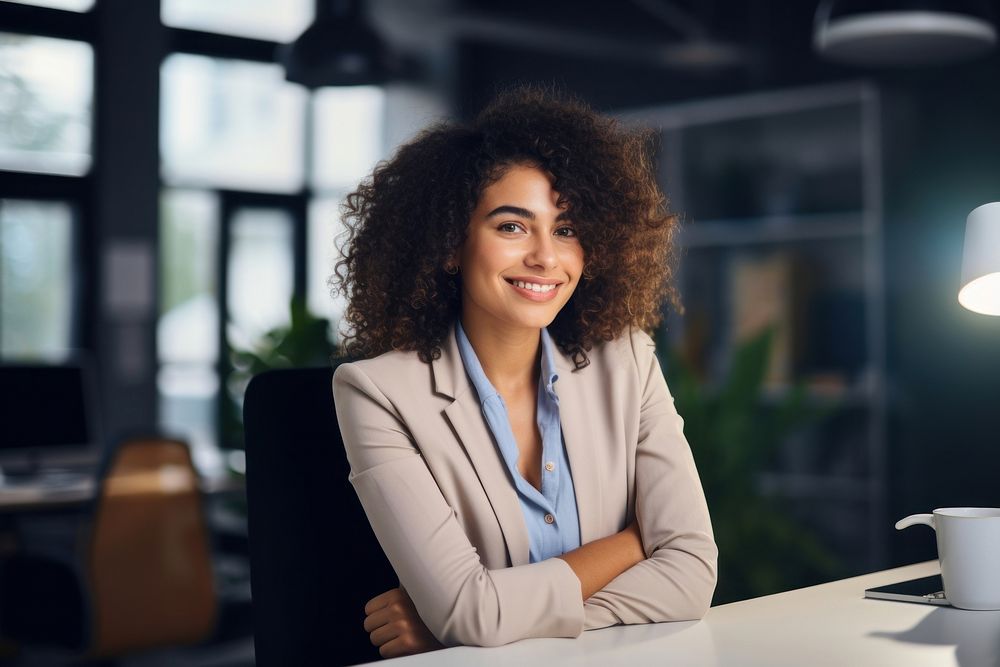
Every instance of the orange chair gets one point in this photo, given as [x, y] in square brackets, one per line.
[149, 568]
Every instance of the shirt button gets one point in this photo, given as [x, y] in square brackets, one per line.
[550, 466]
[549, 518]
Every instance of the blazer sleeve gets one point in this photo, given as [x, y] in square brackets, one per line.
[458, 598]
[677, 579]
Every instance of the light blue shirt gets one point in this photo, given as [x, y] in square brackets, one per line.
[550, 515]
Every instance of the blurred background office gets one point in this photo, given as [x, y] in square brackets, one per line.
[170, 176]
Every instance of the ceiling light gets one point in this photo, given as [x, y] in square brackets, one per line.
[339, 49]
[897, 32]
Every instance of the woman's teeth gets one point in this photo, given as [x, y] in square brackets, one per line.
[534, 287]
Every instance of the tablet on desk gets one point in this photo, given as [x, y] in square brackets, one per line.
[926, 590]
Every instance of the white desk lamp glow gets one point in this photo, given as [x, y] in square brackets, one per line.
[980, 290]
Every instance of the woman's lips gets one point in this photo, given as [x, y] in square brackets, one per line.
[531, 295]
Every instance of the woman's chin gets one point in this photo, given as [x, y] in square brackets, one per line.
[538, 322]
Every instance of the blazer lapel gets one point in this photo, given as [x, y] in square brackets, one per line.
[577, 412]
[466, 418]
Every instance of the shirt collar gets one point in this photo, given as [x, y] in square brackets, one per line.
[482, 383]
[549, 374]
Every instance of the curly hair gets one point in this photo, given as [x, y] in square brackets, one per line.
[410, 216]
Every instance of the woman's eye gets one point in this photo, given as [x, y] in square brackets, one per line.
[509, 227]
[566, 231]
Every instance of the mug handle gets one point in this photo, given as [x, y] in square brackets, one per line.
[914, 519]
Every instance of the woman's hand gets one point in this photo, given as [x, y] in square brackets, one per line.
[395, 627]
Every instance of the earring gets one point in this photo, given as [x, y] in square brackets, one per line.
[451, 268]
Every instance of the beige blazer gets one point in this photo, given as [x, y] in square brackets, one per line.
[441, 502]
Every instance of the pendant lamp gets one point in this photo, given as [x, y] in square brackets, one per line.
[903, 32]
[340, 48]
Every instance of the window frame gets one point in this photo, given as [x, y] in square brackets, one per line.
[75, 191]
[295, 204]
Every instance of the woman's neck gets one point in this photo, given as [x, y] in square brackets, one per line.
[509, 356]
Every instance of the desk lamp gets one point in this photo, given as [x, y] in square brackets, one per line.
[980, 291]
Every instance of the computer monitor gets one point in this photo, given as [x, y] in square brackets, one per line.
[47, 415]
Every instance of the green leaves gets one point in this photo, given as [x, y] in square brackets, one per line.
[303, 343]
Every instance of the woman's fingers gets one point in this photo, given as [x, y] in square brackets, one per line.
[382, 600]
[379, 618]
[385, 633]
[402, 645]
[393, 625]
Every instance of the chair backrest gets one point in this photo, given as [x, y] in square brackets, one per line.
[314, 560]
[149, 561]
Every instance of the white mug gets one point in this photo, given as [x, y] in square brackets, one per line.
[968, 541]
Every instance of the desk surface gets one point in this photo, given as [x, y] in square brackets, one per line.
[830, 624]
[50, 492]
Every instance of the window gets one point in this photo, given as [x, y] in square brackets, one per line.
[348, 134]
[264, 19]
[252, 190]
[46, 86]
[231, 123]
[188, 330]
[69, 5]
[324, 243]
[36, 279]
[260, 274]
[187, 333]
[46, 100]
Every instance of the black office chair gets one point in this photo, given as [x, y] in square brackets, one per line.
[314, 560]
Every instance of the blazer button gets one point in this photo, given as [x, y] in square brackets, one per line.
[549, 518]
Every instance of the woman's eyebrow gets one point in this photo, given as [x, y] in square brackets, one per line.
[521, 212]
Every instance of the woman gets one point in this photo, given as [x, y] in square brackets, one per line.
[510, 434]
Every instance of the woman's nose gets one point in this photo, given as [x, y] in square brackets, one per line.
[542, 252]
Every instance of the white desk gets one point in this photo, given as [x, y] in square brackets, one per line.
[830, 624]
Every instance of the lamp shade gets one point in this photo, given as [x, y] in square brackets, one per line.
[980, 290]
[339, 49]
[903, 32]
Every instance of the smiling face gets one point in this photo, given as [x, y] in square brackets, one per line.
[521, 260]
